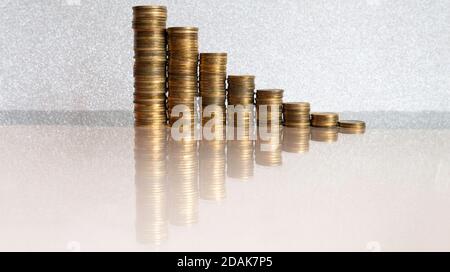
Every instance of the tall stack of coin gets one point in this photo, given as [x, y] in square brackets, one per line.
[297, 114]
[240, 153]
[212, 170]
[269, 104]
[213, 74]
[183, 181]
[324, 119]
[151, 184]
[241, 100]
[182, 72]
[268, 146]
[352, 127]
[150, 48]
[296, 140]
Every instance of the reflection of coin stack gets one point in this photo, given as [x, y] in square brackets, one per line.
[269, 104]
[151, 184]
[296, 140]
[183, 71]
[325, 134]
[240, 155]
[324, 119]
[296, 114]
[150, 64]
[212, 170]
[352, 127]
[183, 181]
[268, 146]
[241, 95]
[213, 73]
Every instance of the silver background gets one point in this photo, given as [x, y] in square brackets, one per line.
[340, 55]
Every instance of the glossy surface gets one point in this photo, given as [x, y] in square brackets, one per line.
[109, 187]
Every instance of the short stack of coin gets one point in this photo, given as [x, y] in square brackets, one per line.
[182, 71]
[296, 114]
[151, 184]
[269, 105]
[213, 75]
[241, 96]
[352, 127]
[296, 140]
[150, 48]
[324, 119]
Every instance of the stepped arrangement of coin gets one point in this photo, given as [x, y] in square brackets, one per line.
[149, 24]
[269, 105]
[151, 185]
[182, 71]
[169, 63]
[297, 114]
[213, 75]
[241, 95]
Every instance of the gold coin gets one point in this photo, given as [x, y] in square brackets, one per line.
[352, 124]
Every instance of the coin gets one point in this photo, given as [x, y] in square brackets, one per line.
[352, 124]
[324, 119]
[149, 24]
[182, 80]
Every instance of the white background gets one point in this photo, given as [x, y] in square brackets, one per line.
[342, 55]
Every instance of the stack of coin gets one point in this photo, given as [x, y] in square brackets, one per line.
[212, 170]
[269, 104]
[151, 184]
[241, 90]
[324, 119]
[240, 153]
[183, 181]
[213, 74]
[150, 48]
[296, 114]
[324, 134]
[296, 140]
[241, 100]
[268, 146]
[352, 127]
[182, 72]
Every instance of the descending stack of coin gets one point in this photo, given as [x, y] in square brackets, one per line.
[296, 114]
[324, 134]
[151, 184]
[240, 153]
[183, 181]
[182, 72]
[324, 119]
[268, 146]
[213, 74]
[296, 140]
[352, 127]
[150, 49]
[241, 100]
[269, 104]
[212, 169]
